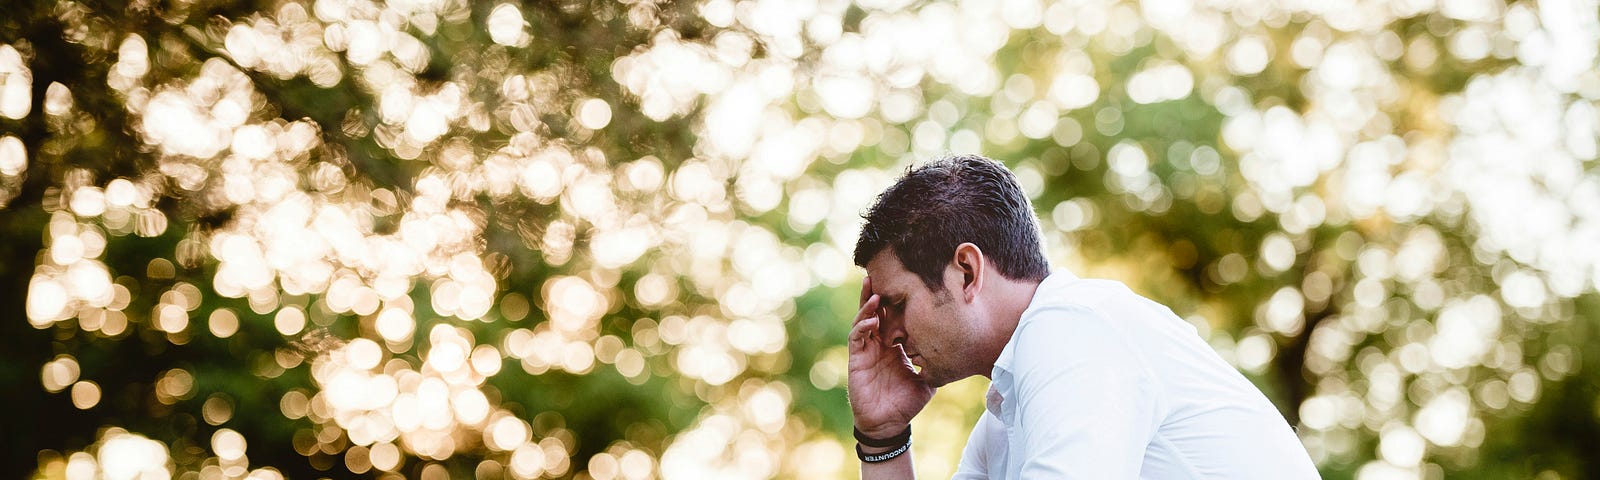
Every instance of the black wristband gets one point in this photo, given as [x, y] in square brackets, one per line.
[883, 457]
[904, 438]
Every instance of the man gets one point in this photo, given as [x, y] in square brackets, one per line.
[1088, 380]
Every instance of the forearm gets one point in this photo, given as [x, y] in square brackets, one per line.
[896, 468]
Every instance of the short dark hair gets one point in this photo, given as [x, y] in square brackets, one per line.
[948, 201]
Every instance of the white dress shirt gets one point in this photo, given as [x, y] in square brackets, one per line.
[1098, 382]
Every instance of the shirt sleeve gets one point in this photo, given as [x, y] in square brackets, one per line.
[1086, 401]
[987, 435]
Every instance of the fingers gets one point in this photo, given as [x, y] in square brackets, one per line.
[863, 331]
[869, 309]
[866, 289]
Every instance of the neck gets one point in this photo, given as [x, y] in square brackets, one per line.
[1011, 298]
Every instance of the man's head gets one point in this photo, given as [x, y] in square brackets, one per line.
[949, 201]
[930, 245]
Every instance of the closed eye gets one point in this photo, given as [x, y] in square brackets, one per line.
[898, 305]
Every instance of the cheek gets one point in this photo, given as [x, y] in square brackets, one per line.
[911, 317]
[918, 319]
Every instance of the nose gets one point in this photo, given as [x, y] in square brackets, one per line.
[893, 331]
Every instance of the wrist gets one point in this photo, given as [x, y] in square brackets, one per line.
[877, 450]
[881, 434]
[889, 441]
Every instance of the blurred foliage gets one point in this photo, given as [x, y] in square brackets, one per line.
[439, 238]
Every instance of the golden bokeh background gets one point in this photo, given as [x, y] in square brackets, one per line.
[611, 240]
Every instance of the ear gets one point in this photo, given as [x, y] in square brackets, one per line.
[968, 261]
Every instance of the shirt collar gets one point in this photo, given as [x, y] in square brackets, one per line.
[1001, 377]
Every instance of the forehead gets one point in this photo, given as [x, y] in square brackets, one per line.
[889, 275]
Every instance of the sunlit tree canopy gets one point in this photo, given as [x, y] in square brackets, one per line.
[612, 240]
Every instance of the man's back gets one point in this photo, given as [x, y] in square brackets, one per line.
[1098, 382]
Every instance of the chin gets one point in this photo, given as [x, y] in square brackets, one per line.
[935, 379]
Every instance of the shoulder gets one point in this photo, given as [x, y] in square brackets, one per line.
[1061, 319]
[1072, 323]
[1066, 294]
[1091, 311]
[1059, 335]
[1073, 307]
